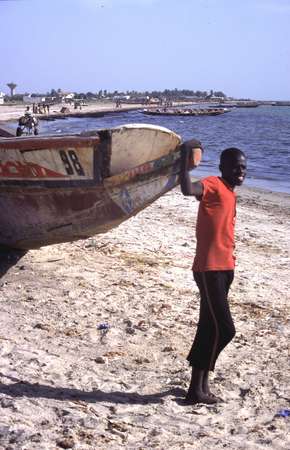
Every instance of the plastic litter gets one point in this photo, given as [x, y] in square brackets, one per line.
[103, 328]
[283, 413]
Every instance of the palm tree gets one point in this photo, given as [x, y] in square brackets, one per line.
[12, 87]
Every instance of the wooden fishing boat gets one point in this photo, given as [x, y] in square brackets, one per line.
[184, 112]
[4, 132]
[63, 188]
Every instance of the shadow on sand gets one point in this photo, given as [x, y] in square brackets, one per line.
[8, 258]
[36, 390]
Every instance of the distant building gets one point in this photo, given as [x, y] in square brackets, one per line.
[64, 97]
[215, 98]
[2, 95]
[31, 99]
[70, 95]
[121, 97]
[154, 100]
[67, 98]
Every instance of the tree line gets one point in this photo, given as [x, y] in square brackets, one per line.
[104, 93]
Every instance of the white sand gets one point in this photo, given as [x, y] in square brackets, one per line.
[13, 112]
[63, 386]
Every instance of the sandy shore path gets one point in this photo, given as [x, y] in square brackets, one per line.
[13, 112]
[64, 383]
[10, 114]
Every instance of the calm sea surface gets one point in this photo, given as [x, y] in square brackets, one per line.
[263, 133]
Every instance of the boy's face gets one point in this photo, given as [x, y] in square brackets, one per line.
[234, 170]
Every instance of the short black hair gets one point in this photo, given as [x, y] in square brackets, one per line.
[230, 153]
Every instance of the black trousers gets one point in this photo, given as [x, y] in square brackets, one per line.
[215, 326]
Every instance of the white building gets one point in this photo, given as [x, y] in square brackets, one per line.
[29, 99]
[2, 95]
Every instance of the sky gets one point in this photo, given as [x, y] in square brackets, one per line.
[239, 47]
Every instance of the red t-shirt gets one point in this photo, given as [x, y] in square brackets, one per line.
[215, 227]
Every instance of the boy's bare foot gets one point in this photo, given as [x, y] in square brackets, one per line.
[199, 391]
[193, 398]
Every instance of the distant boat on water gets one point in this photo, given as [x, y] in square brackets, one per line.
[63, 188]
[244, 104]
[184, 112]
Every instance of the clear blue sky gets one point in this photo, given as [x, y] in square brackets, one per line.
[239, 47]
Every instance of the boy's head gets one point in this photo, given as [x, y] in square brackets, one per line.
[233, 166]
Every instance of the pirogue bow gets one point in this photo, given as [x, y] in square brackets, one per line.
[63, 188]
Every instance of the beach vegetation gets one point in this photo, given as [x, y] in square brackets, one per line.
[134, 95]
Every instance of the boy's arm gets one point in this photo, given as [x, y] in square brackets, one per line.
[191, 152]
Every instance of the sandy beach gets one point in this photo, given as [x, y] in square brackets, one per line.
[13, 112]
[66, 383]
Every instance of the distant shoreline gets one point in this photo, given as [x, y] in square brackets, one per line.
[97, 109]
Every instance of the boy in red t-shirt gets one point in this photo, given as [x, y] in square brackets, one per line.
[214, 262]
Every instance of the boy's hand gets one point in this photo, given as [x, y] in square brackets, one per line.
[192, 150]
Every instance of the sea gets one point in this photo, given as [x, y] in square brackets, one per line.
[263, 133]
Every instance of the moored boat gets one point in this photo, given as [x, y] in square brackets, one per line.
[184, 112]
[239, 104]
[63, 188]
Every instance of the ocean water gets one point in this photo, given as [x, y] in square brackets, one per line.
[263, 133]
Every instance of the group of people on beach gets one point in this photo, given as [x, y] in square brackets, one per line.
[40, 108]
[214, 262]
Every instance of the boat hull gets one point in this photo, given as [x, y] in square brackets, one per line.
[62, 189]
[196, 113]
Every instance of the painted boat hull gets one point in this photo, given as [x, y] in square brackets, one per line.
[60, 189]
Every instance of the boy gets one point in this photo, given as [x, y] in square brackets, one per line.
[214, 262]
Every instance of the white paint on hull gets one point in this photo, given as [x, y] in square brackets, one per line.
[135, 144]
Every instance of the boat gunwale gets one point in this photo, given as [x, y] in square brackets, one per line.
[47, 143]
